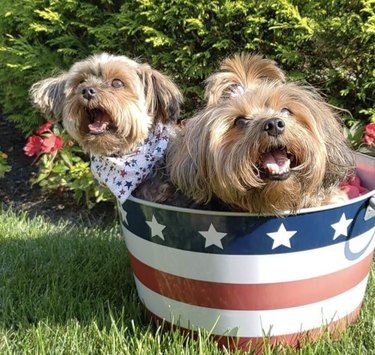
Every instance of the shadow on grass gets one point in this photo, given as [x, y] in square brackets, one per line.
[55, 274]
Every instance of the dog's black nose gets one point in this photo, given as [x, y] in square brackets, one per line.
[274, 126]
[88, 93]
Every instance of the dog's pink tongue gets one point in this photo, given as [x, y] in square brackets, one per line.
[100, 124]
[275, 162]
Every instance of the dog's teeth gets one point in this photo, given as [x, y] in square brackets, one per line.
[276, 170]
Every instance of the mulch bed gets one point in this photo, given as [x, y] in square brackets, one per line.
[16, 190]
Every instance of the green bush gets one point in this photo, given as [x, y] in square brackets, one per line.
[329, 43]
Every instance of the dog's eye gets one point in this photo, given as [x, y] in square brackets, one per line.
[286, 111]
[117, 83]
[241, 121]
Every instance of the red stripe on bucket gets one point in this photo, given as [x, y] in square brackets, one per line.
[251, 296]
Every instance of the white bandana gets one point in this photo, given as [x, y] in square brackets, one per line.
[123, 174]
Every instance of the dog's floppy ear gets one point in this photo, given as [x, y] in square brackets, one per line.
[239, 73]
[48, 96]
[163, 98]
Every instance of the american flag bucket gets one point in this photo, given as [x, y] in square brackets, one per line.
[245, 278]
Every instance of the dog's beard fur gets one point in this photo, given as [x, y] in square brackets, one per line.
[225, 155]
[108, 103]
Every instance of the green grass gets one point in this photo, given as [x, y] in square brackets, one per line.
[69, 290]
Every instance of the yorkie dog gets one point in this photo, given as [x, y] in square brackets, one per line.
[108, 103]
[118, 110]
[262, 145]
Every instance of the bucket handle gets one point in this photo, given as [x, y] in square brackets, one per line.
[370, 211]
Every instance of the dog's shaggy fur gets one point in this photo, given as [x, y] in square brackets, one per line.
[261, 145]
[108, 103]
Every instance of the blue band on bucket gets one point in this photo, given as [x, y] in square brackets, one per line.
[251, 235]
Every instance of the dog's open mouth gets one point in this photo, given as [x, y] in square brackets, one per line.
[276, 163]
[99, 121]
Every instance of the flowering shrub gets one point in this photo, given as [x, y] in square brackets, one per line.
[61, 165]
[369, 137]
[44, 142]
[4, 166]
[362, 137]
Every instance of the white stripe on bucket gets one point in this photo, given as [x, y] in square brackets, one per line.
[249, 269]
[253, 323]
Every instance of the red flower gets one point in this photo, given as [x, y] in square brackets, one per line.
[33, 146]
[52, 143]
[369, 137]
[46, 127]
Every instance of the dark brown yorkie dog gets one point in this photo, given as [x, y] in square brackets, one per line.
[262, 145]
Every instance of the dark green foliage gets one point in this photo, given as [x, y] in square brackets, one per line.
[329, 44]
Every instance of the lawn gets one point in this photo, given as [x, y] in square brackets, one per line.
[69, 290]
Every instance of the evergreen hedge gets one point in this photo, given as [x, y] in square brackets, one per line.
[328, 43]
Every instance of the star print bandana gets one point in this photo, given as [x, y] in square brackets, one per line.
[122, 174]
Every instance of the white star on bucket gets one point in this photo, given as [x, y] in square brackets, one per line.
[156, 228]
[341, 227]
[281, 237]
[213, 237]
[124, 215]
